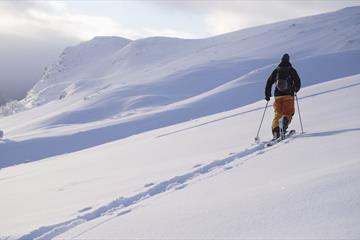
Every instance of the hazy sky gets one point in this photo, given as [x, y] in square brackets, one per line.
[33, 33]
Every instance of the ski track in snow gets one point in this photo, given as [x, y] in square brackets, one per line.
[175, 183]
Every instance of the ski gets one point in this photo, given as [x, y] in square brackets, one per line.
[279, 139]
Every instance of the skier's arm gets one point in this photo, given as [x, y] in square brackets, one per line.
[297, 81]
[269, 84]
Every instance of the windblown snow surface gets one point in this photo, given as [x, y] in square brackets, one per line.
[154, 139]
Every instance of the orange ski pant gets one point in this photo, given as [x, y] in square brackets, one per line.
[283, 105]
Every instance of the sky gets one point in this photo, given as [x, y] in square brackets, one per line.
[34, 33]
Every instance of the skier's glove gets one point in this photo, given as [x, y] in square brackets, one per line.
[267, 98]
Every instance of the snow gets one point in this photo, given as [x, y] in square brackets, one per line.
[235, 186]
[154, 139]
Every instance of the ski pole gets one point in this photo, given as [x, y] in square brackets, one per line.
[257, 135]
[297, 102]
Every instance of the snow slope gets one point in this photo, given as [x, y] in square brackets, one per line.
[306, 187]
[111, 88]
[116, 127]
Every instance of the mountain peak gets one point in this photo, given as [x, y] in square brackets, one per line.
[109, 38]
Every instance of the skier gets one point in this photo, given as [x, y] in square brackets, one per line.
[287, 83]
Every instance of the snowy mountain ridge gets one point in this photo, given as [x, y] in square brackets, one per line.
[136, 64]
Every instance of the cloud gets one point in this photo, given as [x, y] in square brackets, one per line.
[27, 45]
[233, 16]
[40, 19]
[221, 22]
[226, 16]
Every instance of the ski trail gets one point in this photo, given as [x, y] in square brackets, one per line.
[175, 183]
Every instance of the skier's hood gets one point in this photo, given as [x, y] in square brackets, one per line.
[285, 64]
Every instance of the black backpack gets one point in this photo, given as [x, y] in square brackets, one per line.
[283, 79]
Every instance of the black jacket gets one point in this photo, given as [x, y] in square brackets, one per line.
[294, 77]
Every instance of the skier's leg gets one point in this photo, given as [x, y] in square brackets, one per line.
[288, 108]
[275, 122]
[277, 116]
[280, 119]
[276, 132]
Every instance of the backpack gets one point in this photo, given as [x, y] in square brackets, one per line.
[283, 79]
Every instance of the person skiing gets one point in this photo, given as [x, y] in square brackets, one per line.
[287, 82]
